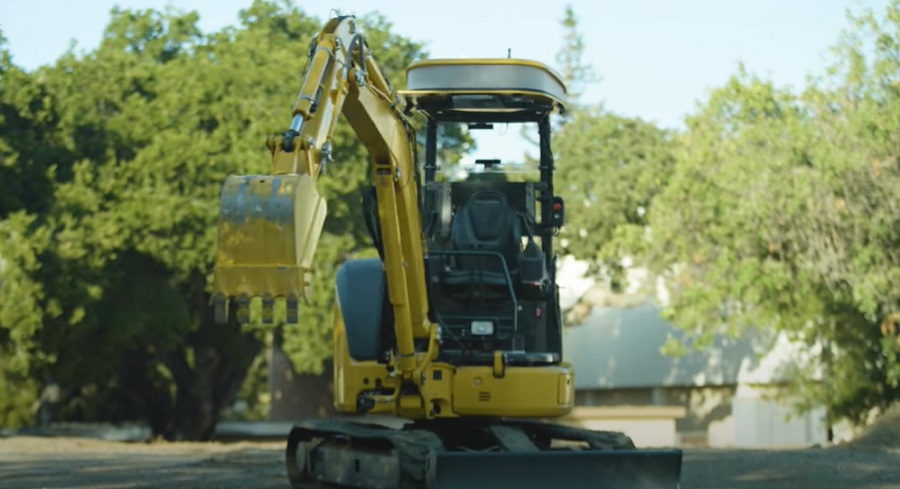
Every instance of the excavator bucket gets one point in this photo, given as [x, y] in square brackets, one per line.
[619, 469]
[268, 229]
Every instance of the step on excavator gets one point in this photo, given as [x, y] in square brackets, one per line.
[455, 327]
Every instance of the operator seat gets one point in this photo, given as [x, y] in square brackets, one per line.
[486, 223]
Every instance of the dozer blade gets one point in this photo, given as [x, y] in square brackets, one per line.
[619, 469]
[269, 226]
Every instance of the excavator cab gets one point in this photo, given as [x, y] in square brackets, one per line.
[489, 236]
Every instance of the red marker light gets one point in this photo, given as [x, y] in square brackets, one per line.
[538, 312]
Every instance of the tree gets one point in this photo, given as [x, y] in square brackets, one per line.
[782, 215]
[610, 168]
[113, 257]
[23, 187]
[576, 74]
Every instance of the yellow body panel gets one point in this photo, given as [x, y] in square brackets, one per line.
[448, 391]
[352, 377]
[522, 391]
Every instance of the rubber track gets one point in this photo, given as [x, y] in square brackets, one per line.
[414, 443]
[412, 447]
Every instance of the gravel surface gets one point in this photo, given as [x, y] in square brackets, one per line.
[57, 463]
[815, 468]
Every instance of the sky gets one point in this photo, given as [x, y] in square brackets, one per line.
[657, 59]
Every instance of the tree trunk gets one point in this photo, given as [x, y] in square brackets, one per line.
[151, 401]
[222, 356]
[296, 396]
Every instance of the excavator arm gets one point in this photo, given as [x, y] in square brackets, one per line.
[270, 225]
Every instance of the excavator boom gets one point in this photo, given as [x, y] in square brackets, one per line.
[455, 329]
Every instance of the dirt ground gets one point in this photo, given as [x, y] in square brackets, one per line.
[57, 463]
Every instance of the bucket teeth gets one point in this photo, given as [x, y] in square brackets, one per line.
[268, 310]
[220, 309]
[243, 309]
[292, 306]
[240, 307]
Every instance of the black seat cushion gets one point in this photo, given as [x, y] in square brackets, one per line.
[487, 223]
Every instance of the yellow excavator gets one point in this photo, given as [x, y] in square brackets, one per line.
[455, 327]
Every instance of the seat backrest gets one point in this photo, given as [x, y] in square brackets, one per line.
[487, 223]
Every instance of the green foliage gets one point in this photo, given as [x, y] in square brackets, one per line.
[20, 311]
[110, 171]
[18, 394]
[577, 75]
[774, 210]
[252, 399]
[783, 214]
[609, 170]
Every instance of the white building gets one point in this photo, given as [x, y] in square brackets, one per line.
[721, 395]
